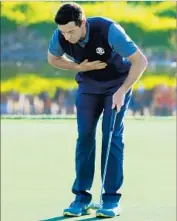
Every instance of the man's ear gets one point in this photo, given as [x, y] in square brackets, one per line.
[83, 21]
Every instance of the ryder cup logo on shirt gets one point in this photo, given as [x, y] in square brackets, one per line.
[100, 51]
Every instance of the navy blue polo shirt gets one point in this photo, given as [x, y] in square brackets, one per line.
[116, 46]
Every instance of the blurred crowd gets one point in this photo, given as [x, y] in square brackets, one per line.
[159, 101]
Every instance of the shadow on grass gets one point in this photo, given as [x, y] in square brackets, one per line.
[73, 218]
[57, 218]
[91, 219]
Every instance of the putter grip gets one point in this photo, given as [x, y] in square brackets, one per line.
[113, 119]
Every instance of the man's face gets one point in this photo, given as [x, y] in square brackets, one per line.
[71, 32]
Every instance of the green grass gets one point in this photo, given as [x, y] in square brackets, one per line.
[38, 170]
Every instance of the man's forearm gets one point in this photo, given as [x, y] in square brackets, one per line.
[64, 63]
[134, 75]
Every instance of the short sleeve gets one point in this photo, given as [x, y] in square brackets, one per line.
[54, 45]
[120, 42]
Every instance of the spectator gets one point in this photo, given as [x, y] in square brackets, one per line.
[159, 101]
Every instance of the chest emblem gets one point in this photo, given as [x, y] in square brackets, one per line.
[100, 50]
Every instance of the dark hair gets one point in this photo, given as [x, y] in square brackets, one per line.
[69, 12]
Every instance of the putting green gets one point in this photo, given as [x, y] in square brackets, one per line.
[37, 170]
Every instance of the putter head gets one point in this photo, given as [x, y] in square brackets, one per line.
[95, 206]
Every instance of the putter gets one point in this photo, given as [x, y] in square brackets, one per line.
[112, 124]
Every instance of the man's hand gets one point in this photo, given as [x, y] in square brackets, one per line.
[118, 99]
[89, 66]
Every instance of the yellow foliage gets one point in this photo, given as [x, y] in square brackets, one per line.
[165, 5]
[141, 15]
[32, 84]
[151, 81]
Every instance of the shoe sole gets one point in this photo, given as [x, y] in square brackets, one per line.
[71, 214]
[88, 212]
[105, 216]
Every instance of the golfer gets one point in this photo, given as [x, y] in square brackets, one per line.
[108, 63]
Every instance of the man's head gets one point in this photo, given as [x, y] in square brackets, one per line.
[71, 20]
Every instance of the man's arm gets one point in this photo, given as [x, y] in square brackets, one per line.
[138, 65]
[62, 62]
[123, 45]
